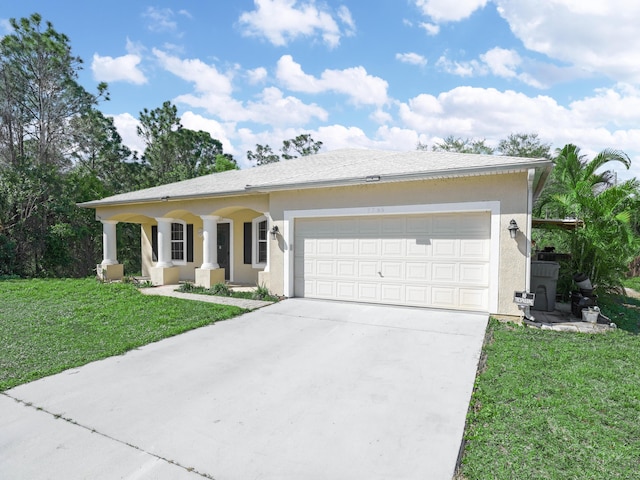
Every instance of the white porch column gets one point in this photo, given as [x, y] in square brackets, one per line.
[209, 242]
[109, 253]
[164, 242]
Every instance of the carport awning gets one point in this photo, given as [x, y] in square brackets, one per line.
[564, 223]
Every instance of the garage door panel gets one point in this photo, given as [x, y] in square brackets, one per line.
[326, 247]
[394, 247]
[474, 273]
[347, 246]
[369, 226]
[392, 270]
[308, 246]
[446, 223]
[444, 272]
[417, 295]
[346, 290]
[474, 226]
[444, 297]
[325, 268]
[369, 247]
[474, 249]
[417, 271]
[346, 226]
[474, 299]
[346, 268]
[444, 247]
[418, 247]
[325, 288]
[393, 225]
[392, 293]
[368, 292]
[418, 224]
[368, 269]
[437, 260]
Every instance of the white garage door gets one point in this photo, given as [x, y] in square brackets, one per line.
[434, 260]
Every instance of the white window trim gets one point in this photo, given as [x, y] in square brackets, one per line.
[254, 242]
[492, 206]
[184, 242]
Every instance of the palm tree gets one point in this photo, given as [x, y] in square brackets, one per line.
[606, 242]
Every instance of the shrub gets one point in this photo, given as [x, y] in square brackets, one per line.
[220, 289]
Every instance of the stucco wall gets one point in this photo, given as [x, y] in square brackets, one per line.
[508, 189]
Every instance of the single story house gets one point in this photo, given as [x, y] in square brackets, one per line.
[418, 228]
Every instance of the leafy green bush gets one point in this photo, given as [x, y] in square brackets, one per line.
[220, 289]
[261, 293]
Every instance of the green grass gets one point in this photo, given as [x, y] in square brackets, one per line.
[633, 283]
[555, 405]
[47, 326]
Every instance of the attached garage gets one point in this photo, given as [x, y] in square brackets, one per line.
[440, 260]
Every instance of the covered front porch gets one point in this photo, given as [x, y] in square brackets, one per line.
[193, 242]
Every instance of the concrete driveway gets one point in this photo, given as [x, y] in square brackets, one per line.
[302, 389]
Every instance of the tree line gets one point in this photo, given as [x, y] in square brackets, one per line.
[57, 149]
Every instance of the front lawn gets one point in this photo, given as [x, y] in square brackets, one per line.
[557, 405]
[47, 326]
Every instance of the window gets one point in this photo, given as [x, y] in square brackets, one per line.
[178, 242]
[259, 242]
[181, 242]
[262, 242]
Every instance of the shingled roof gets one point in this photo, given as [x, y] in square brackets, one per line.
[334, 168]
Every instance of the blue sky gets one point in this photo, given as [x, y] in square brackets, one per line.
[366, 74]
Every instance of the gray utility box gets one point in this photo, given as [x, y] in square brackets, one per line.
[544, 280]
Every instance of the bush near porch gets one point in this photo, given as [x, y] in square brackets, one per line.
[50, 325]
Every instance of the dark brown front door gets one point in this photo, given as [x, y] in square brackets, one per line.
[223, 248]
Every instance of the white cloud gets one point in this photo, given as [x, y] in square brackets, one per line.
[119, 69]
[196, 122]
[356, 83]
[273, 108]
[600, 37]
[346, 18]
[411, 58]
[257, 75]
[160, 20]
[461, 69]
[502, 62]
[206, 78]
[214, 94]
[280, 21]
[431, 28]
[127, 124]
[447, 10]
[608, 119]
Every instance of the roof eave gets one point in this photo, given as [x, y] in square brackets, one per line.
[100, 203]
[369, 179]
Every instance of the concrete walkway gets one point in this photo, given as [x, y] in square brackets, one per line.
[300, 389]
[170, 291]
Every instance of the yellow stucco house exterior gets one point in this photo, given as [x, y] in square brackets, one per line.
[427, 229]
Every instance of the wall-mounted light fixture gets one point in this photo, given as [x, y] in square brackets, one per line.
[274, 231]
[513, 228]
